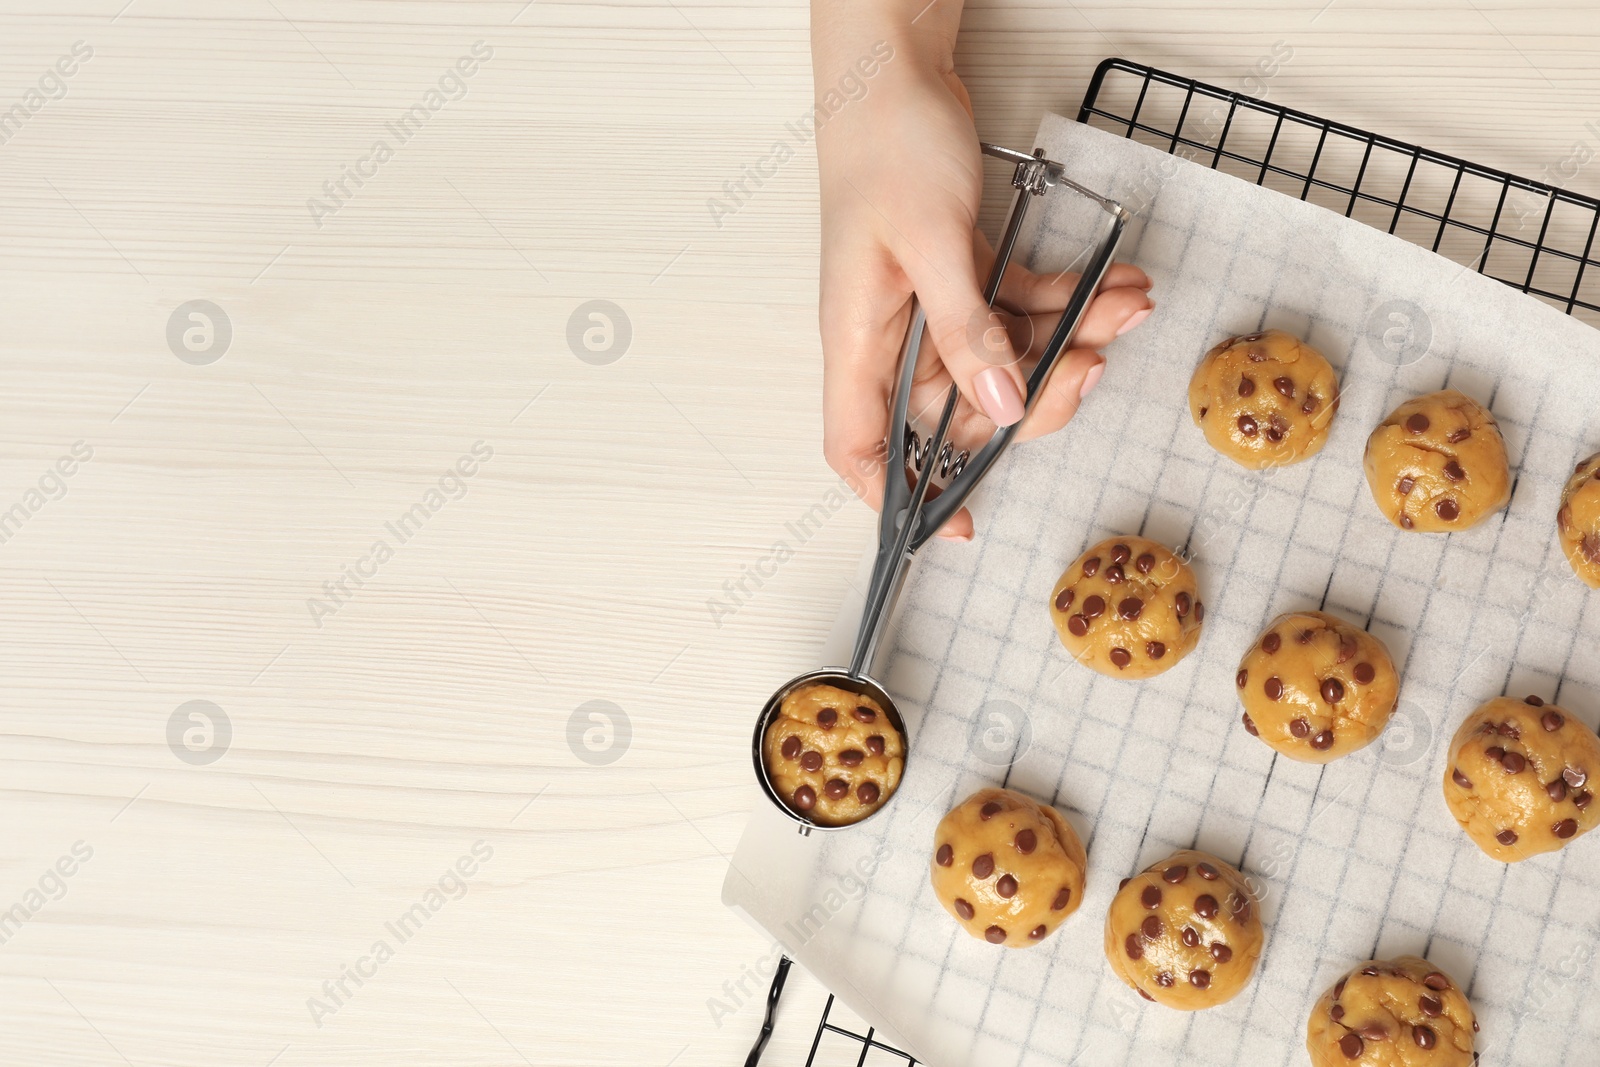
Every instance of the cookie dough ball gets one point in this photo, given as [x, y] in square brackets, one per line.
[1518, 778]
[1403, 1012]
[1438, 464]
[1128, 608]
[1185, 933]
[1264, 399]
[833, 754]
[1007, 867]
[1315, 687]
[1578, 521]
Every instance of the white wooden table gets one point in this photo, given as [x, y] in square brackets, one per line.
[389, 708]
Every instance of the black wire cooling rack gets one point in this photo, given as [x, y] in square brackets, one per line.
[1533, 236]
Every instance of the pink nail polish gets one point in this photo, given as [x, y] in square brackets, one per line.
[998, 396]
[1135, 319]
[1092, 379]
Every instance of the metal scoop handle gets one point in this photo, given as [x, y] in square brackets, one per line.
[909, 518]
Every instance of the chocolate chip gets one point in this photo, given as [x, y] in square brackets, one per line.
[1064, 599]
[1181, 604]
[1436, 980]
[1575, 777]
[1123, 884]
[1026, 841]
[875, 744]
[983, 866]
[1271, 643]
[791, 747]
[1250, 726]
[1247, 426]
[995, 935]
[1336, 1012]
[1190, 937]
[1405, 485]
[1323, 740]
[989, 810]
[1006, 886]
[826, 718]
[1284, 386]
[1199, 978]
[1447, 509]
[1247, 386]
[805, 797]
[1581, 801]
[1240, 906]
[1164, 979]
[945, 856]
[1132, 947]
[1506, 837]
[1150, 928]
[1338, 988]
[1423, 1036]
[1206, 871]
[1037, 932]
[1350, 1044]
[1551, 721]
[1365, 673]
[836, 789]
[1460, 779]
[1453, 471]
[1275, 432]
[1206, 907]
[1242, 677]
[1495, 753]
[1115, 575]
[1432, 1007]
[1091, 566]
[1565, 828]
[1537, 702]
[1120, 657]
[1155, 650]
[1332, 690]
[851, 757]
[1304, 637]
[1145, 563]
[1077, 626]
[1151, 897]
[1093, 607]
[864, 714]
[1312, 400]
[1130, 607]
[1120, 553]
[1347, 648]
[964, 909]
[1374, 1032]
[1457, 436]
[812, 760]
[1063, 898]
[1175, 874]
[1557, 790]
[1514, 762]
[1273, 688]
[1417, 423]
[1299, 727]
[1148, 997]
[1405, 521]
[1220, 952]
[867, 792]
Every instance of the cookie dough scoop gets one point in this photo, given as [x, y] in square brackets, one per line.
[829, 747]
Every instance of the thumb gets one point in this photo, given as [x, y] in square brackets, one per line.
[970, 336]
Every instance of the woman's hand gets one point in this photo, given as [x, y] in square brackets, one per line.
[902, 180]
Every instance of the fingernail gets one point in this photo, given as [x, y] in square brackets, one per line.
[998, 396]
[1135, 319]
[957, 538]
[1092, 379]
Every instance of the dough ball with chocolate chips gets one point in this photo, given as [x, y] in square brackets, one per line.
[833, 755]
[1315, 687]
[1128, 608]
[1265, 399]
[1518, 778]
[1438, 464]
[1186, 932]
[1007, 867]
[1578, 521]
[1403, 1012]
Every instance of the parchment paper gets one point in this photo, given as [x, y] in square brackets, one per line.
[1355, 860]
